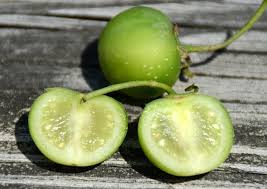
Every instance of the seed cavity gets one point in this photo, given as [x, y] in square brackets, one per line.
[209, 132]
[164, 133]
[55, 123]
[98, 130]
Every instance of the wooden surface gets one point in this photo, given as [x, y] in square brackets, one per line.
[49, 43]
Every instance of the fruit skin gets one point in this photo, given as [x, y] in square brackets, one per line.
[65, 157]
[139, 44]
[158, 159]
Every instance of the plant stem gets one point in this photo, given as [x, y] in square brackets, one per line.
[245, 28]
[126, 85]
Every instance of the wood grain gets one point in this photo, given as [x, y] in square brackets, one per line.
[185, 13]
[42, 76]
[40, 59]
[49, 47]
[245, 160]
[48, 43]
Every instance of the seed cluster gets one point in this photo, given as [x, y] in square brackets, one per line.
[56, 122]
[96, 133]
[209, 135]
[165, 133]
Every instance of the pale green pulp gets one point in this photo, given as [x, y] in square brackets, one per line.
[70, 131]
[186, 135]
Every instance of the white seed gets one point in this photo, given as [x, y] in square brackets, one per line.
[162, 142]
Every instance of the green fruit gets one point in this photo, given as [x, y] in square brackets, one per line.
[139, 44]
[71, 131]
[186, 135]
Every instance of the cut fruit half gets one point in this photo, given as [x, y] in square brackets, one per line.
[70, 131]
[186, 135]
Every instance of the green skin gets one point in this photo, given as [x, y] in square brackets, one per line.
[139, 44]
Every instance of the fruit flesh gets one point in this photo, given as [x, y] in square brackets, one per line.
[139, 44]
[187, 135]
[72, 132]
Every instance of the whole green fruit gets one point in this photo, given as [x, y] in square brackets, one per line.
[139, 44]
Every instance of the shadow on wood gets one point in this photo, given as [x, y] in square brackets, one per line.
[91, 68]
[209, 59]
[138, 161]
[29, 149]
[214, 55]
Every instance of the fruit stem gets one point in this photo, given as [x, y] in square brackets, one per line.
[245, 28]
[130, 84]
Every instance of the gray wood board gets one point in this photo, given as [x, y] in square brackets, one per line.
[48, 58]
[185, 13]
[40, 48]
[20, 159]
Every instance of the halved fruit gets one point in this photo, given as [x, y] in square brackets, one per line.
[70, 131]
[186, 135]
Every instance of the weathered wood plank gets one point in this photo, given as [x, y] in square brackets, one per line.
[227, 64]
[114, 2]
[239, 90]
[79, 49]
[51, 43]
[90, 3]
[185, 13]
[244, 159]
[251, 41]
[243, 1]
[110, 173]
[236, 162]
[120, 183]
[26, 41]
[37, 58]
[48, 47]
[44, 76]
[127, 169]
[45, 22]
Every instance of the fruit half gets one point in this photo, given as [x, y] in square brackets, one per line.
[71, 131]
[186, 135]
